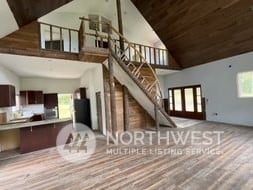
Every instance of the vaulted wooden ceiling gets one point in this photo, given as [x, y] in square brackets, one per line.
[26, 11]
[201, 31]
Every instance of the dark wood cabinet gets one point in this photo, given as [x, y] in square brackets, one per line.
[50, 101]
[40, 137]
[31, 97]
[7, 96]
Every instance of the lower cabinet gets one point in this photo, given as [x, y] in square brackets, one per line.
[40, 137]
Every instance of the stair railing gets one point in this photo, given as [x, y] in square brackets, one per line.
[154, 87]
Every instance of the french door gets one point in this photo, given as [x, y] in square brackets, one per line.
[186, 102]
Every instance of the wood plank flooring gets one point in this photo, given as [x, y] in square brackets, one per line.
[232, 169]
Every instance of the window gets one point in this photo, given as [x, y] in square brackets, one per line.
[105, 23]
[65, 103]
[93, 24]
[245, 84]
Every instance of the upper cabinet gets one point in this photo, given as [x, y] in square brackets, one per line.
[31, 97]
[7, 96]
[50, 101]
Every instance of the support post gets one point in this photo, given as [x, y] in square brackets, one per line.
[112, 96]
[156, 118]
[126, 108]
[119, 13]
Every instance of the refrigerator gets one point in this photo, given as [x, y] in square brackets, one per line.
[82, 111]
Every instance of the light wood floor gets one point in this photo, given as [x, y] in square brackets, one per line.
[233, 169]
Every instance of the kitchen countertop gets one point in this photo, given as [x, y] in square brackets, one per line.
[32, 124]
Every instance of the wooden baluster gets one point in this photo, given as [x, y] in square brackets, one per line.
[39, 29]
[61, 48]
[135, 53]
[159, 56]
[140, 50]
[129, 51]
[82, 36]
[150, 55]
[163, 57]
[70, 40]
[154, 56]
[51, 37]
[167, 57]
[145, 52]
[101, 42]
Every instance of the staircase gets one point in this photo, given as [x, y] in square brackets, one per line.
[148, 94]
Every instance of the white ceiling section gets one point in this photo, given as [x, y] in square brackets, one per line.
[135, 27]
[26, 66]
[7, 20]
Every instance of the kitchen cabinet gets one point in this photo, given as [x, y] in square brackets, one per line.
[50, 101]
[31, 97]
[7, 96]
[40, 137]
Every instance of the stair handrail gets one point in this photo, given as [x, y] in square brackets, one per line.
[136, 50]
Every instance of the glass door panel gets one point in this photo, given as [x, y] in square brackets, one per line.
[178, 100]
[189, 99]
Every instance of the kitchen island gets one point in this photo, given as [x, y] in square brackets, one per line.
[37, 135]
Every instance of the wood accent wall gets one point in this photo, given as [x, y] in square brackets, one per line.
[27, 11]
[25, 38]
[200, 31]
[138, 117]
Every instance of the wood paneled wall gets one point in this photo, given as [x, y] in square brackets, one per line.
[27, 11]
[25, 38]
[138, 117]
[200, 31]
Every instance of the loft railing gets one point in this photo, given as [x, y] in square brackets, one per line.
[154, 56]
[57, 38]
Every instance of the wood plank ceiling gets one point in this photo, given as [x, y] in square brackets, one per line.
[201, 31]
[26, 11]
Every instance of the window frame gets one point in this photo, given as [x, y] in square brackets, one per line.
[239, 85]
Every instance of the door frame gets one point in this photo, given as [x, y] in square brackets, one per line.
[187, 114]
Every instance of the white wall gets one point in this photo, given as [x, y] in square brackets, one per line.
[219, 86]
[135, 27]
[8, 77]
[7, 19]
[93, 81]
[49, 85]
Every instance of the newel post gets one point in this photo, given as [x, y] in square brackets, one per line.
[112, 86]
[82, 35]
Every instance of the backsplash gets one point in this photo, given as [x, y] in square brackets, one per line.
[28, 110]
[34, 109]
[9, 112]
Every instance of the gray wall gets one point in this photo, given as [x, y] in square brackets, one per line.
[219, 86]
